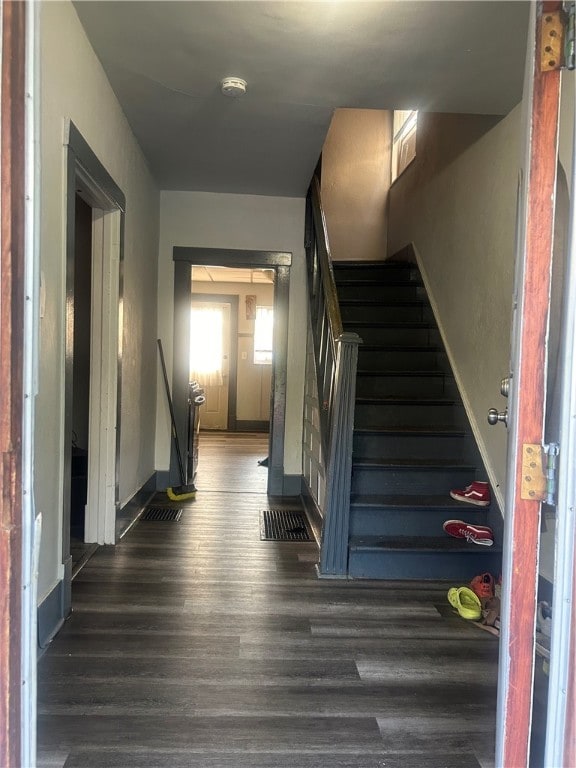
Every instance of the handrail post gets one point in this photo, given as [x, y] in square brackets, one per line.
[335, 531]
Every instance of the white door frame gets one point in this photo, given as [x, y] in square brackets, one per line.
[100, 519]
[87, 177]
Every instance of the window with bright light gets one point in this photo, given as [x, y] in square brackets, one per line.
[263, 334]
[404, 140]
[206, 326]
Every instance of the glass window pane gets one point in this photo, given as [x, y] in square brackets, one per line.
[206, 326]
[263, 334]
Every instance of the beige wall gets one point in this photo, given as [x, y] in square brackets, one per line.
[253, 383]
[251, 222]
[457, 204]
[440, 140]
[355, 181]
[74, 86]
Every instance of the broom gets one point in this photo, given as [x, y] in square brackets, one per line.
[183, 491]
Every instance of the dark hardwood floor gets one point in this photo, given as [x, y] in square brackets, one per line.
[196, 645]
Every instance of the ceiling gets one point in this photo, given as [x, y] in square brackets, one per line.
[302, 60]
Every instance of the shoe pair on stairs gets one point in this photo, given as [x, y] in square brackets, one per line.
[477, 493]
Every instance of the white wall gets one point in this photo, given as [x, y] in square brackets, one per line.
[250, 222]
[459, 210]
[74, 86]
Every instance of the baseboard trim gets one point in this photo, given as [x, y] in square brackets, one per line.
[340, 576]
[313, 511]
[132, 510]
[67, 588]
[162, 477]
[291, 485]
[52, 613]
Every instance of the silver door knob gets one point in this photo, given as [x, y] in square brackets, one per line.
[505, 387]
[494, 416]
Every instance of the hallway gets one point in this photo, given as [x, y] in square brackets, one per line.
[196, 645]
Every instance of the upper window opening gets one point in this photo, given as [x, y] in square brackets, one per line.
[404, 142]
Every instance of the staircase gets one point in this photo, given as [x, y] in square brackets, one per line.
[412, 440]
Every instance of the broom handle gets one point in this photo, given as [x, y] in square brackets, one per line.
[172, 417]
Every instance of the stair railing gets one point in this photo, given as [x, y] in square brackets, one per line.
[336, 360]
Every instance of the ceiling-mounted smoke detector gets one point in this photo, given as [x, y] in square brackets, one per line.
[233, 86]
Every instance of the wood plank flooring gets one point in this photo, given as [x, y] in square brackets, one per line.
[196, 645]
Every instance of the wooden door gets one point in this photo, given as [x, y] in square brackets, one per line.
[526, 402]
[216, 384]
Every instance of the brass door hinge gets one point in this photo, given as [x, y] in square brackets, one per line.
[539, 482]
[533, 485]
[558, 39]
[552, 33]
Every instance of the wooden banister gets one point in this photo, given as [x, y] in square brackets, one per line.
[335, 361]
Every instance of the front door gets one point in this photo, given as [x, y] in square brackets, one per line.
[210, 360]
[526, 405]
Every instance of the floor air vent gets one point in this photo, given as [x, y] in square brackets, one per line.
[161, 515]
[283, 525]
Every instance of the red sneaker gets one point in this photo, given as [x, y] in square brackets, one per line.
[477, 493]
[483, 585]
[477, 534]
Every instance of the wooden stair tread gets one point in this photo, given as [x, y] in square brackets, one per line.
[415, 431]
[436, 373]
[383, 302]
[400, 347]
[410, 400]
[418, 543]
[369, 282]
[422, 464]
[421, 501]
[393, 324]
[346, 263]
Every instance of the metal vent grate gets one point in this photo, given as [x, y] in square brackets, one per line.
[161, 515]
[283, 525]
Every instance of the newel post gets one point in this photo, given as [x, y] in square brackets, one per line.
[335, 530]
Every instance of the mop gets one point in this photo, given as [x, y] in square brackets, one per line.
[183, 491]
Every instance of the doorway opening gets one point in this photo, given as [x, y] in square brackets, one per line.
[81, 305]
[260, 388]
[231, 345]
[94, 244]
